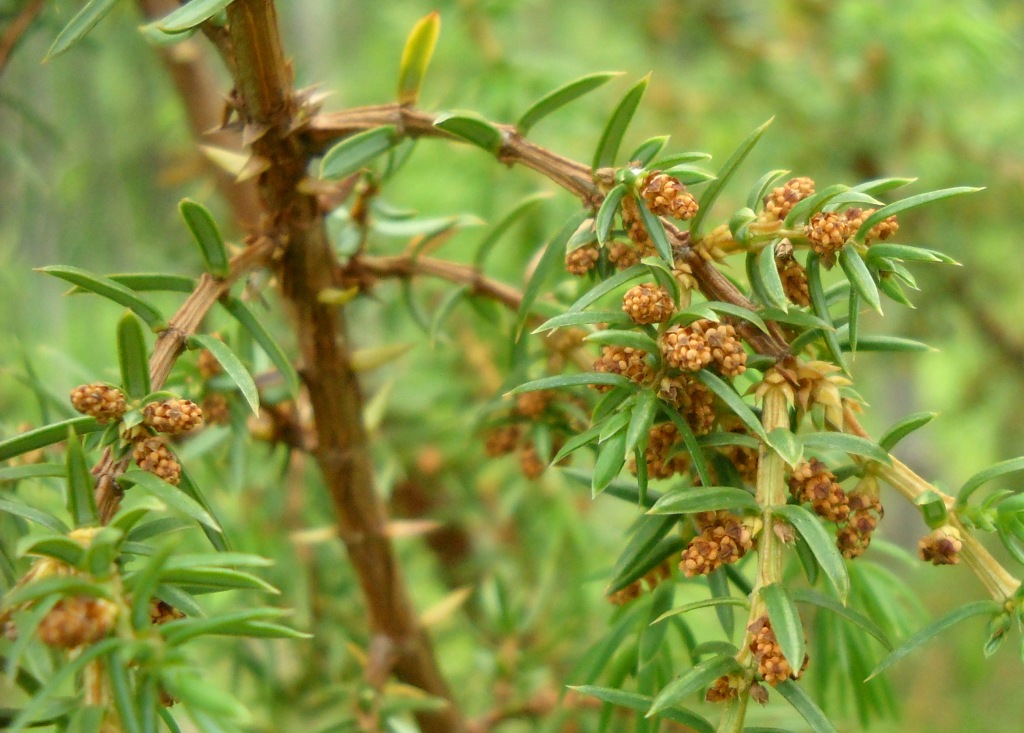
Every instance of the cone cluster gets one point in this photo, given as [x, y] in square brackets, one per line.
[722, 689]
[648, 303]
[772, 665]
[865, 511]
[623, 255]
[664, 195]
[744, 459]
[857, 513]
[880, 231]
[152, 454]
[693, 347]
[101, 401]
[693, 400]
[582, 260]
[781, 200]
[686, 347]
[794, 279]
[172, 416]
[623, 360]
[77, 621]
[724, 538]
[661, 439]
[827, 231]
[812, 483]
[635, 229]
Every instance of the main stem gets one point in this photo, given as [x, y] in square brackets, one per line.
[771, 493]
[306, 268]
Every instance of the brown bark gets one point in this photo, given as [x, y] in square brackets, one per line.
[306, 268]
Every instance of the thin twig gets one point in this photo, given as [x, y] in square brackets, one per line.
[575, 177]
[407, 266]
[998, 581]
[169, 346]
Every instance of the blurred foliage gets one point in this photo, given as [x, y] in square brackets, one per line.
[95, 156]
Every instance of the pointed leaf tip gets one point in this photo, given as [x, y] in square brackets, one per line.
[84, 21]
[716, 186]
[419, 49]
[109, 289]
[201, 224]
[563, 95]
[615, 129]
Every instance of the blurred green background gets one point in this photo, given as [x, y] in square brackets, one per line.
[95, 155]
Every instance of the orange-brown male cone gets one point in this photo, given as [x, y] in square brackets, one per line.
[661, 439]
[101, 401]
[648, 303]
[724, 538]
[694, 401]
[624, 360]
[77, 621]
[173, 416]
[794, 279]
[781, 200]
[882, 230]
[582, 260]
[152, 455]
[693, 347]
[827, 232]
[772, 665]
[666, 196]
